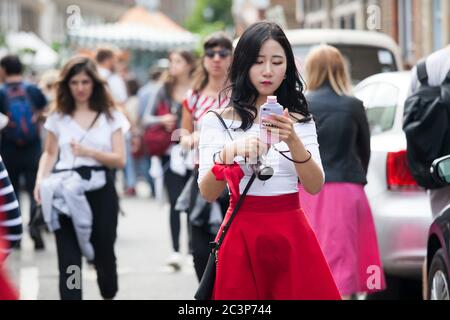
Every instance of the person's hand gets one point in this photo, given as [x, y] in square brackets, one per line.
[189, 142]
[186, 142]
[36, 192]
[79, 150]
[169, 121]
[250, 147]
[283, 127]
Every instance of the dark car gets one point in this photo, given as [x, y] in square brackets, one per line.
[438, 250]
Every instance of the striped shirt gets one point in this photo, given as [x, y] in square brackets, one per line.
[10, 216]
[198, 105]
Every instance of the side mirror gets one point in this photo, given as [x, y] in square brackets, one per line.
[440, 169]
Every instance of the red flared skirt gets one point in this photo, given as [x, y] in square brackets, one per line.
[7, 292]
[271, 253]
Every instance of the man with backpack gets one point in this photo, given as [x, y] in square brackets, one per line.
[20, 146]
[427, 127]
[429, 115]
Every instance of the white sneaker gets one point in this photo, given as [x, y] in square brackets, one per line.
[175, 261]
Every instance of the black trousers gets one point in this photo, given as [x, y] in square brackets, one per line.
[22, 162]
[174, 184]
[201, 232]
[105, 207]
[201, 248]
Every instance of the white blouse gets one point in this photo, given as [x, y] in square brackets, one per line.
[213, 137]
[98, 137]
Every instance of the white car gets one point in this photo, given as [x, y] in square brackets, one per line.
[400, 208]
[365, 52]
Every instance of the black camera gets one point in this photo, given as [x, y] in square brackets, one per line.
[263, 172]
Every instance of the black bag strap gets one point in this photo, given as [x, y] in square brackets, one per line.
[241, 198]
[222, 122]
[236, 209]
[85, 135]
[422, 73]
[90, 126]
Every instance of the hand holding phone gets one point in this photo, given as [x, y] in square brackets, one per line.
[266, 111]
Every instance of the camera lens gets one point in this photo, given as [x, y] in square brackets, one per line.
[265, 173]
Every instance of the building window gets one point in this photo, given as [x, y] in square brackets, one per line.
[313, 5]
[347, 22]
[437, 25]
[10, 18]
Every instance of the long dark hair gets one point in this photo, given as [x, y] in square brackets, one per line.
[243, 93]
[100, 100]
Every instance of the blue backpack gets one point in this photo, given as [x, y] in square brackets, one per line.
[22, 129]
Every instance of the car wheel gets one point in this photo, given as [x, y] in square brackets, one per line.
[438, 281]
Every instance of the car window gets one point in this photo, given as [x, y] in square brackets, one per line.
[362, 61]
[380, 100]
[366, 61]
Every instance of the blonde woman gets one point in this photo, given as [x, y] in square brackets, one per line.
[340, 213]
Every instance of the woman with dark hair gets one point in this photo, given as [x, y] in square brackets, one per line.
[166, 110]
[87, 133]
[269, 252]
[209, 80]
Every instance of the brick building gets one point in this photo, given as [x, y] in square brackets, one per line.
[419, 26]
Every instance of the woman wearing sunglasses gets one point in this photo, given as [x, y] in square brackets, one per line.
[209, 81]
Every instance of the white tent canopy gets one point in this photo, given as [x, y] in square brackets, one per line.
[132, 36]
[41, 56]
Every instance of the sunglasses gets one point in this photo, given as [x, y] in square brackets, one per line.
[223, 53]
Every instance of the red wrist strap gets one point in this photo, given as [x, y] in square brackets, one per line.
[232, 174]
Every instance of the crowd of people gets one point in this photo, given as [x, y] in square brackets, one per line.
[305, 233]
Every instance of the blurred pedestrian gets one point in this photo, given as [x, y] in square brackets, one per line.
[340, 214]
[209, 82]
[166, 115]
[107, 61]
[85, 140]
[132, 113]
[21, 145]
[147, 95]
[437, 67]
[10, 216]
[269, 252]
[47, 84]
[10, 230]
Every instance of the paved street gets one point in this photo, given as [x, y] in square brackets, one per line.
[142, 248]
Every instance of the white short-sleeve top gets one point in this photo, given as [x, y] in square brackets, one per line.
[213, 137]
[98, 137]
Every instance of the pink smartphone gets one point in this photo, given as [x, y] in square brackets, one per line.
[270, 107]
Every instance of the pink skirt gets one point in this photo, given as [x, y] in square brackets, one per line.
[271, 253]
[341, 217]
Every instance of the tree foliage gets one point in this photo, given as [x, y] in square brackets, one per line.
[209, 16]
